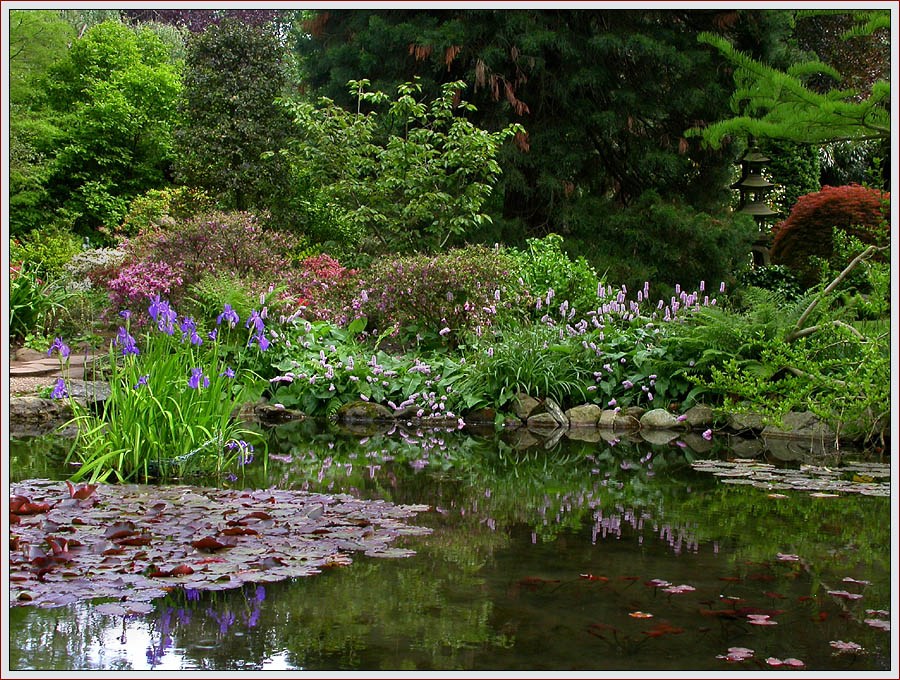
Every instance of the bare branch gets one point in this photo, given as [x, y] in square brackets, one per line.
[864, 255]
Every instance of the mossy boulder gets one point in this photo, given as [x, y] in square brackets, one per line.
[363, 411]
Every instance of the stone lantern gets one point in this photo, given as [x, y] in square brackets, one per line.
[754, 188]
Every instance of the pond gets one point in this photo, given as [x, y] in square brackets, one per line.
[567, 556]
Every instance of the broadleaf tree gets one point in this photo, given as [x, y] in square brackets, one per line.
[103, 123]
[412, 177]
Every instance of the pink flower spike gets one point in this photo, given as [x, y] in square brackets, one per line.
[707, 435]
[363, 397]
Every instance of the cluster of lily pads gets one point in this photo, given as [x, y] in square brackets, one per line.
[136, 543]
[867, 479]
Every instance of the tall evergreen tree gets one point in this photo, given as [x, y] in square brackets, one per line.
[604, 96]
[233, 74]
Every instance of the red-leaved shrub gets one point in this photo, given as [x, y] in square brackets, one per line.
[861, 212]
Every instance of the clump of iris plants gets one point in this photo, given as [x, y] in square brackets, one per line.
[172, 398]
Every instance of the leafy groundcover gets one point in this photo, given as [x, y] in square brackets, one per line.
[136, 543]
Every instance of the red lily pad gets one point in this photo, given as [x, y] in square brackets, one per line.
[81, 492]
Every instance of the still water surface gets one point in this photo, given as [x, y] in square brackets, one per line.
[567, 558]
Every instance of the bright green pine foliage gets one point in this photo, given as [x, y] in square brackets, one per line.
[779, 104]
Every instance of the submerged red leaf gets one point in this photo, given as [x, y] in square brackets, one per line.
[239, 531]
[259, 514]
[143, 539]
[180, 570]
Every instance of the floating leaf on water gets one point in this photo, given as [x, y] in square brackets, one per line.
[111, 609]
[787, 557]
[390, 552]
[878, 612]
[850, 579]
[119, 531]
[824, 495]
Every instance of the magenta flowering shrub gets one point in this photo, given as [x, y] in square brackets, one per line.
[170, 260]
[141, 280]
[437, 298]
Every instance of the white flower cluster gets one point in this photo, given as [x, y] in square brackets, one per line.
[76, 272]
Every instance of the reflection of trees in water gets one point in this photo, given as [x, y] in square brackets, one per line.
[498, 514]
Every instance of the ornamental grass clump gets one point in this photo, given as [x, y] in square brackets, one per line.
[171, 404]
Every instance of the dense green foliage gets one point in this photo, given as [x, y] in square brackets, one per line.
[556, 138]
[667, 242]
[604, 96]
[413, 178]
[233, 73]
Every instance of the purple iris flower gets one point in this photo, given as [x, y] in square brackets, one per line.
[142, 380]
[63, 348]
[257, 321]
[194, 380]
[261, 339]
[60, 391]
[126, 341]
[228, 372]
[188, 327]
[246, 451]
[163, 314]
[125, 314]
[213, 334]
[229, 315]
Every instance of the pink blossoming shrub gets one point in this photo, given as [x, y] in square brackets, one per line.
[170, 260]
[323, 287]
[463, 290]
[141, 280]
